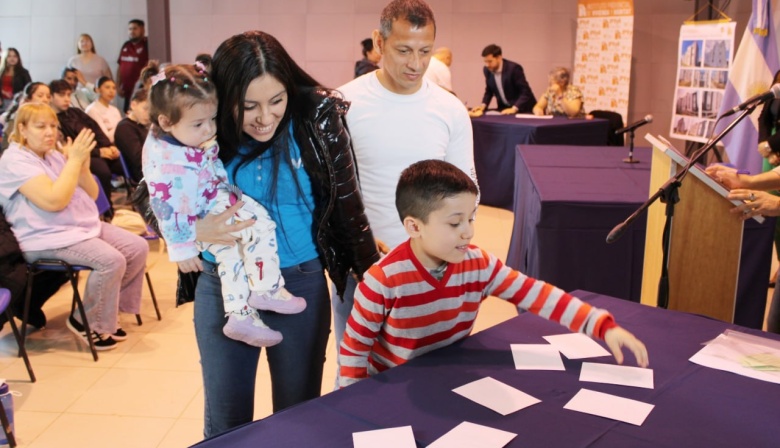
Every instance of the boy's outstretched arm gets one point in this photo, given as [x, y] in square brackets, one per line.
[617, 338]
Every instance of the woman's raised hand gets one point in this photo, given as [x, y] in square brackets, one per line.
[80, 147]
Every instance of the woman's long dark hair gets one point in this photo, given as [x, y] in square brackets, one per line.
[238, 61]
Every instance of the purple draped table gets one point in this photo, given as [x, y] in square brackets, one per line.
[568, 198]
[694, 405]
[495, 139]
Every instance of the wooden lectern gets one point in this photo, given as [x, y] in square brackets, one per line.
[706, 240]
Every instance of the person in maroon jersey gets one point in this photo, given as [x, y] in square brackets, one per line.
[132, 58]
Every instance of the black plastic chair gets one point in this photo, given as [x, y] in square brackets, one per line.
[615, 123]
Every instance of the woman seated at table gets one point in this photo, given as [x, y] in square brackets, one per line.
[561, 98]
[48, 197]
[102, 111]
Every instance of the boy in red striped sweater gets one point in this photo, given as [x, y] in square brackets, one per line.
[425, 294]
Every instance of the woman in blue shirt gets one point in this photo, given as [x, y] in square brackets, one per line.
[284, 143]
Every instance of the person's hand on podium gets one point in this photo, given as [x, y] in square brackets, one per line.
[756, 203]
[728, 176]
[617, 338]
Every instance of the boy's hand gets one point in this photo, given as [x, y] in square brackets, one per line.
[617, 338]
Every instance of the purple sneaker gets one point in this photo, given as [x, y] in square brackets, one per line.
[251, 330]
[279, 300]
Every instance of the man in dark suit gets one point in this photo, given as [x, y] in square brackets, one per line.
[513, 94]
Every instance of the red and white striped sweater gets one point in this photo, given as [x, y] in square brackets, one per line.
[401, 311]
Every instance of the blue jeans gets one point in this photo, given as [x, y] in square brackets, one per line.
[342, 310]
[230, 367]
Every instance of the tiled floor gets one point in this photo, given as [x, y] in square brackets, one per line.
[147, 392]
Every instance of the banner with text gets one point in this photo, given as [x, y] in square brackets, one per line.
[704, 58]
[602, 55]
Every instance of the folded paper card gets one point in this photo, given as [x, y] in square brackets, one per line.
[401, 437]
[471, 435]
[610, 406]
[495, 395]
[536, 357]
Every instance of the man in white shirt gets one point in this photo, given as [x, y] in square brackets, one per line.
[83, 92]
[439, 69]
[398, 117]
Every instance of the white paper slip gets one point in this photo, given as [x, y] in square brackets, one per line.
[492, 112]
[542, 117]
[577, 346]
[495, 395]
[536, 357]
[621, 375]
[471, 435]
[401, 437]
[610, 406]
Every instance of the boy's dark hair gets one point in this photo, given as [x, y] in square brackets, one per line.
[138, 22]
[181, 88]
[67, 70]
[102, 80]
[416, 12]
[423, 185]
[491, 50]
[367, 45]
[59, 86]
[140, 96]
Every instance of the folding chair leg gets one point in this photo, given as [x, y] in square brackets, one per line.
[9, 434]
[26, 313]
[154, 297]
[138, 320]
[22, 350]
[74, 278]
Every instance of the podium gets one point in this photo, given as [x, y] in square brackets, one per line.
[706, 241]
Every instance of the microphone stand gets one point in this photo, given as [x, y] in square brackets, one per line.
[630, 158]
[669, 195]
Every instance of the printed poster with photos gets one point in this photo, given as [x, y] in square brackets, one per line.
[602, 54]
[704, 58]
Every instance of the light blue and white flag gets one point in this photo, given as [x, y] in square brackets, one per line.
[754, 67]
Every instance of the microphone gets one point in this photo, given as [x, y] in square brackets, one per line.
[772, 93]
[648, 119]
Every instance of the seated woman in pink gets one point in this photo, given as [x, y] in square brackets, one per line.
[48, 197]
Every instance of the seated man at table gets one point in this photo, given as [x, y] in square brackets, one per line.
[425, 294]
[506, 81]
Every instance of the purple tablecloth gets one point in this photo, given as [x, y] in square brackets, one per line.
[568, 198]
[495, 139]
[694, 406]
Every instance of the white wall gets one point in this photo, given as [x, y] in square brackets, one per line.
[323, 36]
[45, 31]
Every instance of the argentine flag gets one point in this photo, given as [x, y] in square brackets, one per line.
[754, 67]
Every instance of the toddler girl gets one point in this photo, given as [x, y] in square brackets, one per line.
[186, 180]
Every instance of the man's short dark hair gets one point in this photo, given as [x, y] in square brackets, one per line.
[67, 70]
[60, 86]
[416, 12]
[138, 22]
[491, 50]
[423, 185]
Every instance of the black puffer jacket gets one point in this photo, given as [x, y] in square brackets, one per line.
[343, 235]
